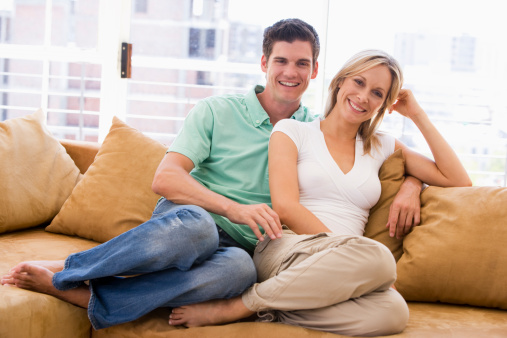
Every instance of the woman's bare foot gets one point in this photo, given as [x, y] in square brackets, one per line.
[210, 313]
[53, 266]
[40, 279]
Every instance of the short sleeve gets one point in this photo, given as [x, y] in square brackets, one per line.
[387, 144]
[194, 139]
[292, 129]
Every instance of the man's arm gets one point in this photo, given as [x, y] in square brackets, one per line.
[405, 211]
[174, 182]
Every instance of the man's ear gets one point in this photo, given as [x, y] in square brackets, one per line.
[315, 70]
[264, 64]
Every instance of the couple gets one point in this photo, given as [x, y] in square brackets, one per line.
[194, 254]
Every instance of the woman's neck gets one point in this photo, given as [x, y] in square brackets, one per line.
[336, 128]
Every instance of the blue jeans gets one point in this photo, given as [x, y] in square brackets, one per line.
[178, 257]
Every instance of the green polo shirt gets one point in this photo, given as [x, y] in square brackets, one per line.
[226, 137]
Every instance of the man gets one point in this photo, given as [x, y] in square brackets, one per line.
[214, 184]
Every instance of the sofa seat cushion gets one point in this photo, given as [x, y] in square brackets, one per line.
[426, 320]
[29, 314]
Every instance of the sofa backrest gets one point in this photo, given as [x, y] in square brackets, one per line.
[82, 152]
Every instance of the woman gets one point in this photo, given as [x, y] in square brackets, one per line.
[323, 181]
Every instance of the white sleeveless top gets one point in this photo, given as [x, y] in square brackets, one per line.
[341, 201]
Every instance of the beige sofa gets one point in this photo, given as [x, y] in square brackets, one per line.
[452, 269]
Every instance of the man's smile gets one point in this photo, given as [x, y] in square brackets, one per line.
[289, 84]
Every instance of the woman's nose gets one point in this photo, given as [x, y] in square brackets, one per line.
[362, 96]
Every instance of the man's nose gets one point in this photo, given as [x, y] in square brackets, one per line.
[290, 70]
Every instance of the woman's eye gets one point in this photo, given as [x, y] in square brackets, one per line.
[377, 93]
[359, 82]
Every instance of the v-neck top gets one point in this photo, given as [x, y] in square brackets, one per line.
[341, 201]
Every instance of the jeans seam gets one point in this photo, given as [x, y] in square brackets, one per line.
[91, 307]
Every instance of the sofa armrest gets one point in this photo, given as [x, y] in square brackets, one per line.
[82, 152]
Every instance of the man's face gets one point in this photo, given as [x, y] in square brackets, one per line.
[289, 71]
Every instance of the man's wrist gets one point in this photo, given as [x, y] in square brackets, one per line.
[227, 207]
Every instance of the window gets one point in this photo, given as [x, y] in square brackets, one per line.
[49, 59]
[52, 56]
[141, 6]
[201, 43]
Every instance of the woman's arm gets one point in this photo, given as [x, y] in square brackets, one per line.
[446, 170]
[284, 187]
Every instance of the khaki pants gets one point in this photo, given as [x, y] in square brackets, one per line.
[339, 284]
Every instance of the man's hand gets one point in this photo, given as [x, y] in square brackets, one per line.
[405, 211]
[256, 215]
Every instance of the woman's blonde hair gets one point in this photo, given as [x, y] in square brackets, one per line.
[359, 63]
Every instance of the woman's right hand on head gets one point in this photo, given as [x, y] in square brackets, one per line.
[255, 215]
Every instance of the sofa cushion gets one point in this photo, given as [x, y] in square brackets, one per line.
[115, 193]
[457, 254]
[36, 173]
[392, 175]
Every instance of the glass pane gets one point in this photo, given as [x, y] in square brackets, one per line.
[75, 23]
[74, 100]
[185, 50]
[20, 87]
[454, 64]
[22, 22]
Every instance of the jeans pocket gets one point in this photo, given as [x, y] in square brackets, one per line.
[261, 246]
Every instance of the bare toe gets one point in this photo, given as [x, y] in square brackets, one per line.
[7, 280]
[33, 277]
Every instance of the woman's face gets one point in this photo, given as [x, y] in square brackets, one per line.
[361, 96]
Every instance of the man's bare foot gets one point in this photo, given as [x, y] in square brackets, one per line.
[40, 279]
[53, 266]
[210, 313]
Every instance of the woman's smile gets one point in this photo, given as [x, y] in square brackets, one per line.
[356, 107]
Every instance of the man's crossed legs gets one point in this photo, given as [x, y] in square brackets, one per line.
[174, 259]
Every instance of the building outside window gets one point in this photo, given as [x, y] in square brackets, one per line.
[63, 56]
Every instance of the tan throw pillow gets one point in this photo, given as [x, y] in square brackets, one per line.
[36, 173]
[115, 193]
[459, 252]
[392, 175]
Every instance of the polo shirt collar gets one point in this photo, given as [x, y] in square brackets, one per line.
[258, 115]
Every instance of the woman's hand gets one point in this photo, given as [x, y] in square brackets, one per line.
[407, 105]
[405, 211]
[446, 169]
